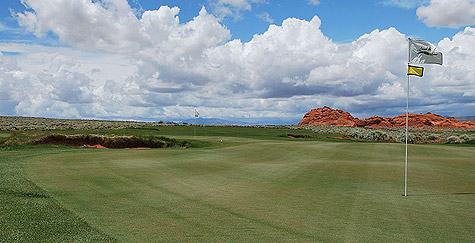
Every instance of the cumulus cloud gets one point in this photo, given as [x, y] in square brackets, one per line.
[112, 25]
[297, 59]
[448, 13]
[284, 72]
[57, 81]
[233, 8]
[8, 75]
[458, 75]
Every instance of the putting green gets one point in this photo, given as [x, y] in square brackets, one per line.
[267, 190]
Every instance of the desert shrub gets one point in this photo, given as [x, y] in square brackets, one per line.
[31, 123]
[464, 138]
[453, 139]
[110, 142]
[296, 136]
[376, 135]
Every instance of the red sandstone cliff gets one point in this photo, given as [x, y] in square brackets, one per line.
[329, 116]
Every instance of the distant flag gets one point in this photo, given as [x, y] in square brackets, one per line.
[413, 70]
[196, 113]
[424, 52]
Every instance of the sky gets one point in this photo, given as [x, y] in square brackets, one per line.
[257, 61]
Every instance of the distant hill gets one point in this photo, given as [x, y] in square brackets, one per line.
[329, 116]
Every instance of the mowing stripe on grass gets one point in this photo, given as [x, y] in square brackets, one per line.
[268, 190]
[29, 214]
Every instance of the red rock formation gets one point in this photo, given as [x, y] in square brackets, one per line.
[329, 116]
[430, 120]
[377, 121]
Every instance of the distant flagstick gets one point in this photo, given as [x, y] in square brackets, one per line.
[420, 52]
[196, 116]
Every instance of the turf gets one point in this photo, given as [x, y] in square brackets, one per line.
[251, 188]
[28, 213]
[236, 184]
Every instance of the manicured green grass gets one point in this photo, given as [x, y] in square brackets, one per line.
[236, 184]
[28, 213]
[268, 190]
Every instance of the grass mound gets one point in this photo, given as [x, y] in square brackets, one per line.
[110, 142]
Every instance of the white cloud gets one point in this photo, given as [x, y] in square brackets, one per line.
[108, 26]
[57, 81]
[233, 8]
[284, 72]
[239, 4]
[458, 76]
[313, 2]
[266, 17]
[112, 25]
[448, 13]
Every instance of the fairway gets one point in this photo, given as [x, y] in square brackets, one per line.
[257, 190]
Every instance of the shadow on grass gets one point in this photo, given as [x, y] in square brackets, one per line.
[22, 194]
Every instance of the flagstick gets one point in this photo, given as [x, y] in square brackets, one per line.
[407, 115]
[420, 47]
[196, 112]
[407, 125]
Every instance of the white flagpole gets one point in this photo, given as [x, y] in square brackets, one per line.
[407, 115]
[435, 57]
[407, 125]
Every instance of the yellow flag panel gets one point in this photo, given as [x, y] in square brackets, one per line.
[413, 70]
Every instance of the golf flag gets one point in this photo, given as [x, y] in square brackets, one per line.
[424, 52]
[196, 113]
[420, 52]
[413, 70]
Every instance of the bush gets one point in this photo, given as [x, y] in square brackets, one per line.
[415, 135]
[453, 139]
[110, 142]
